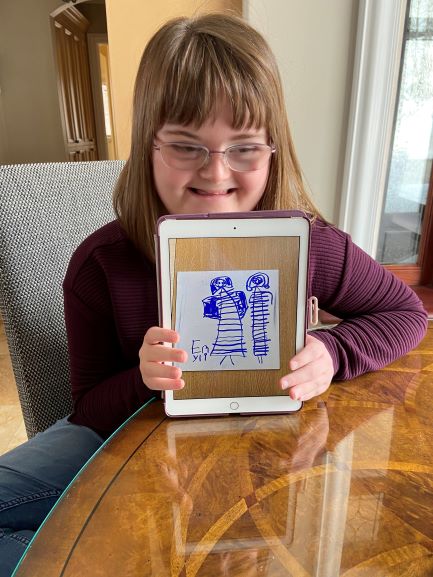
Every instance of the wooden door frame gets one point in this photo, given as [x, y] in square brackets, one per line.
[93, 39]
[421, 273]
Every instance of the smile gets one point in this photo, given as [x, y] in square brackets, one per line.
[202, 192]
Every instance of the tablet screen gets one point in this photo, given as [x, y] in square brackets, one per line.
[234, 305]
[235, 291]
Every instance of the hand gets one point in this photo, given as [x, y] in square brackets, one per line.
[312, 371]
[153, 354]
[311, 439]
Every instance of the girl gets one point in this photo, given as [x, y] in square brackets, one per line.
[207, 92]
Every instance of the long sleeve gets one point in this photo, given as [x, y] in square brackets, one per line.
[110, 301]
[382, 317]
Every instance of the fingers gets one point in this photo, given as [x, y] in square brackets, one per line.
[308, 390]
[312, 371]
[156, 335]
[313, 349]
[159, 371]
[165, 384]
[163, 354]
[153, 354]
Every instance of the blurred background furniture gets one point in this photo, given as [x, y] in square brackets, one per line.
[46, 210]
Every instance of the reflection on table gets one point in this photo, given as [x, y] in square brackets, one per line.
[342, 488]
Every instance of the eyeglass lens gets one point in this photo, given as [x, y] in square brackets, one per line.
[242, 158]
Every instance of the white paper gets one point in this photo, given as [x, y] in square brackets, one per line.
[228, 320]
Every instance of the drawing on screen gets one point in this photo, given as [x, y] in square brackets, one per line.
[260, 302]
[228, 320]
[228, 307]
[199, 353]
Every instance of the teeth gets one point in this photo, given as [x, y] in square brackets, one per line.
[211, 193]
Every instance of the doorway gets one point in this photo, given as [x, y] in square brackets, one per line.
[99, 61]
[83, 80]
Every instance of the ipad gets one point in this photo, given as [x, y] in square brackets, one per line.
[234, 286]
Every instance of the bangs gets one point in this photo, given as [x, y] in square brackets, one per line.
[203, 73]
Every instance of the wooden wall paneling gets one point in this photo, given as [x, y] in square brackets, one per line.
[71, 82]
[77, 71]
[426, 245]
[88, 102]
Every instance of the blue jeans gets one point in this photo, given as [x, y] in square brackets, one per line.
[32, 477]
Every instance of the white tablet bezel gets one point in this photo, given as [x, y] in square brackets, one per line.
[177, 228]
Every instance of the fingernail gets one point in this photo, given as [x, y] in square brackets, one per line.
[294, 365]
[284, 385]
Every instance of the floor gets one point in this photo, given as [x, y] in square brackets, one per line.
[12, 431]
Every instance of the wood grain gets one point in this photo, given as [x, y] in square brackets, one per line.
[342, 488]
[227, 254]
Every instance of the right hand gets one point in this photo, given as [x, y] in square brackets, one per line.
[156, 375]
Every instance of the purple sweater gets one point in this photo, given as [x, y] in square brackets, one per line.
[111, 300]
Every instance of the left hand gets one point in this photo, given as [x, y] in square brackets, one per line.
[312, 371]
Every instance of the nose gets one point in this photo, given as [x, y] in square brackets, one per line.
[216, 167]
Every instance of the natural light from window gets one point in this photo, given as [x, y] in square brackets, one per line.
[412, 150]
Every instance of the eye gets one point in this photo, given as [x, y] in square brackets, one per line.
[245, 150]
[184, 149]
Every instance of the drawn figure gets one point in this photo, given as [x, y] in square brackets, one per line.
[260, 302]
[229, 307]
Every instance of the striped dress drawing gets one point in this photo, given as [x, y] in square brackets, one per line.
[260, 303]
[229, 340]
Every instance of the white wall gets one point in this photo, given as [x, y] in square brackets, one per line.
[30, 122]
[314, 42]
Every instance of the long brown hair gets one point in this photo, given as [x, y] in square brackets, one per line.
[184, 67]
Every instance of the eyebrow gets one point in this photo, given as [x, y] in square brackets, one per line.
[186, 133]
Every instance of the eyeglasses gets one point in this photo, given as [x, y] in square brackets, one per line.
[240, 157]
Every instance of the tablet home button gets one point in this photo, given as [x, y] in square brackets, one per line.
[234, 405]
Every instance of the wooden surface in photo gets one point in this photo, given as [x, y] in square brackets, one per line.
[342, 488]
[258, 254]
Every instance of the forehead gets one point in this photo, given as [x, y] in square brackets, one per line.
[211, 132]
[219, 124]
[221, 114]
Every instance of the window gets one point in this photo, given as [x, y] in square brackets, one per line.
[404, 232]
[387, 203]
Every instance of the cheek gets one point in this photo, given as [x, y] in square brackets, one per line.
[166, 178]
[160, 171]
[256, 181]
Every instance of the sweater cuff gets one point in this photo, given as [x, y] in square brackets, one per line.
[142, 391]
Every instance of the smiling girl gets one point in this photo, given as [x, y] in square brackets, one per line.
[209, 134]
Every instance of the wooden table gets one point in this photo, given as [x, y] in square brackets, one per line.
[343, 488]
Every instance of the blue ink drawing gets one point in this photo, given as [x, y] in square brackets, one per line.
[228, 320]
[260, 302]
[228, 307]
[198, 352]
